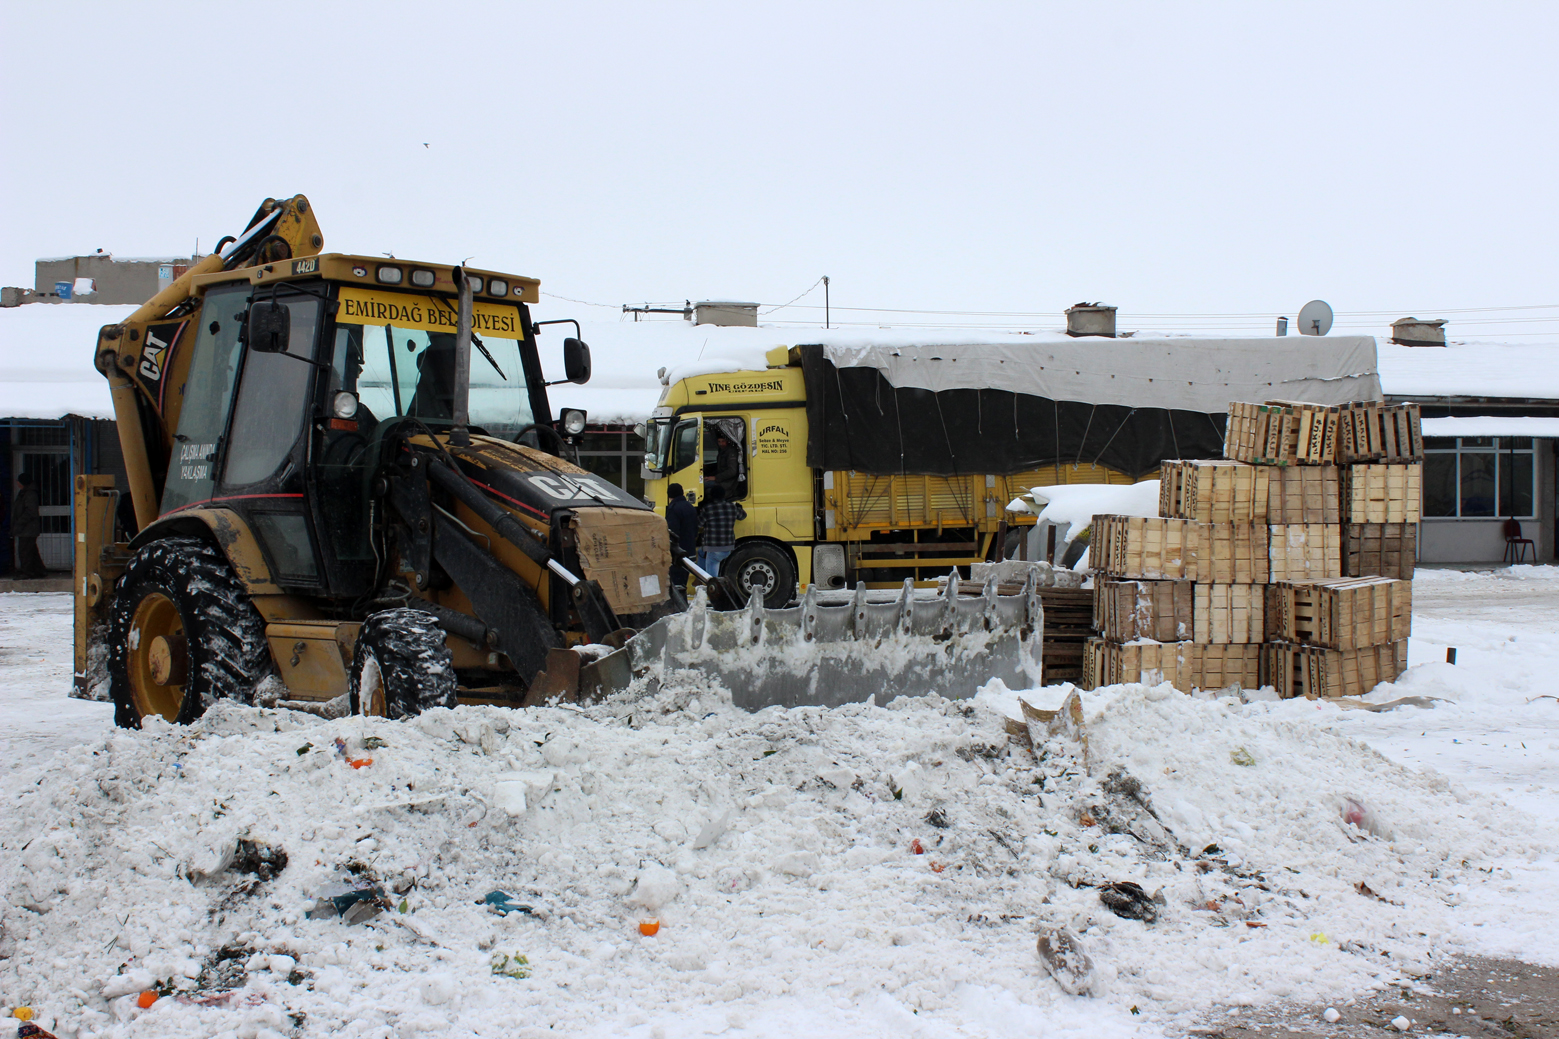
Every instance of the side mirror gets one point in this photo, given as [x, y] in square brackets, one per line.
[269, 327]
[576, 361]
[640, 429]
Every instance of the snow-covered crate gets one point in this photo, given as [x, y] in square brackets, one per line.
[1304, 494]
[1344, 612]
[1144, 547]
[1232, 553]
[1383, 493]
[1313, 672]
[1213, 491]
[1383, 549]
[1316, 439]
[1125, 611]
[1229, 613]
[1376, 432]
[1187, 665]
[1305, 551]
[1259, 433]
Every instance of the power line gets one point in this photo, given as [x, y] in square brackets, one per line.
[782, 306]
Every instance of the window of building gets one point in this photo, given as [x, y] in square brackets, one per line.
[1479, 477]
[614, 455]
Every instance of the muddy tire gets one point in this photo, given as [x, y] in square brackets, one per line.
[401, 666]
[182, 634]
[760, 565]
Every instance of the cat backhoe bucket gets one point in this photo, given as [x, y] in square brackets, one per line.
[826, 654]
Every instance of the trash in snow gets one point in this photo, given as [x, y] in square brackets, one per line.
[502, 903]
[510, 965]
[28, 1030]
[1331, 1016]
[649, 928]
[1126, 899]
[263, 860]
[1241, 756]
[916, 848]
[1061, 951]
[22, 1013]
[1354, 813]
[353, 906]
[938, 817]
[1365, 890]
[712, 830]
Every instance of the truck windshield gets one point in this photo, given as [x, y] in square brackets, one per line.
[657, 444]
[404, 367]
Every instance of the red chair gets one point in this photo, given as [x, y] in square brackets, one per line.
[1515, 545]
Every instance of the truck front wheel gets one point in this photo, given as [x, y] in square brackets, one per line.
[182, 634]
[759, 565]
[401, 666]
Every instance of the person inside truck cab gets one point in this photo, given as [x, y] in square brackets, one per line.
[728, 466]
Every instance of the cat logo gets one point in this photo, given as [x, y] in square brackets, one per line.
[308, 266]
[153, 356]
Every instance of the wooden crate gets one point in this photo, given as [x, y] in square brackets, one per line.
[1383, 493]
[1187, 665]
[1068, 625]
[1214, 491]
[1228, 613]
[1342, 613]
[1304, 551]
[1304, 494]
[1232, 553]
[1380, 549]
[1317, 431]
[1314, 672]
[1125, 611]
[1144, 547]
[1377, 432]
[1261, 434]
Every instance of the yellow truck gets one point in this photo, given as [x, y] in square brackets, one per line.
[879, 457]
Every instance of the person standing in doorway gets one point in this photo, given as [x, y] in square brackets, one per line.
[728, 466]
[719, 521]
[26, 525]
[682, 522]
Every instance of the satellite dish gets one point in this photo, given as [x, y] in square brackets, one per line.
[1315, 318]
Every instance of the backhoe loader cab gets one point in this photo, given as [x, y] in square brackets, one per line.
[346, 474]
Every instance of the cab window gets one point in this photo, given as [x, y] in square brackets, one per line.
[684, 446]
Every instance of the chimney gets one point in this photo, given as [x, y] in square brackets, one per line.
[1090, 319]
[1409, 331]
[720, 312]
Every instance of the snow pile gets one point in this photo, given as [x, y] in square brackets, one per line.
[1072, 507]
[846, 872]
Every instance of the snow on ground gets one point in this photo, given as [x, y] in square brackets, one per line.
[777, 852]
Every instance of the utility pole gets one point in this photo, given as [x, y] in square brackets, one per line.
[825, 301]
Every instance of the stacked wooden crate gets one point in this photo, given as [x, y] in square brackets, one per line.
[1240, 579]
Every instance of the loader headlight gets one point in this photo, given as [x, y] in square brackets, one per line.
[498, 287]
[344, 404]
[572, 421]
[390, 275]
[422, 279]
[475, 281]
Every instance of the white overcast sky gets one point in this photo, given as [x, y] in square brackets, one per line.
[1172, 159]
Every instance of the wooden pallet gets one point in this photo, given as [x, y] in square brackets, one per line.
[1068, 626]
[1317, 429]
[1304, 494]
[1144, 547]
[1341, 613]
[1313, 672]
[1380, 549]
[1232, 553]
[1125, 611]
[1213, 491]
[1188, 665]
[1228, 613]
[1376, 432]
[1383, 493]
[1260, 434]
[1304, 551]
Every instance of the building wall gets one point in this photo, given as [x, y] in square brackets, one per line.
[115, 281]
[1483, 540]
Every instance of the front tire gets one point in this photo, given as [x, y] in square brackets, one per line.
[762, 565]
[401, 666]
[182, 634]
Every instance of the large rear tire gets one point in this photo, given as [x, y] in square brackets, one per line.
[762, 565]
[401, 666]
[182, 634]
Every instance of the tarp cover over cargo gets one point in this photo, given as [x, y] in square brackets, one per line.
[1007, 407]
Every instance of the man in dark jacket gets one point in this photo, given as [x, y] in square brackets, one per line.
[26, 525]
[682, 522]
[728, 466]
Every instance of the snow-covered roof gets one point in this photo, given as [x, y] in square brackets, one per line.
[46, 360]
[1472, 368]
[1491, 426]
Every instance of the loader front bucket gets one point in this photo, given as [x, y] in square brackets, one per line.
[827, 654]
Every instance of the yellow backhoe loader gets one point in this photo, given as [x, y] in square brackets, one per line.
[347, 490]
